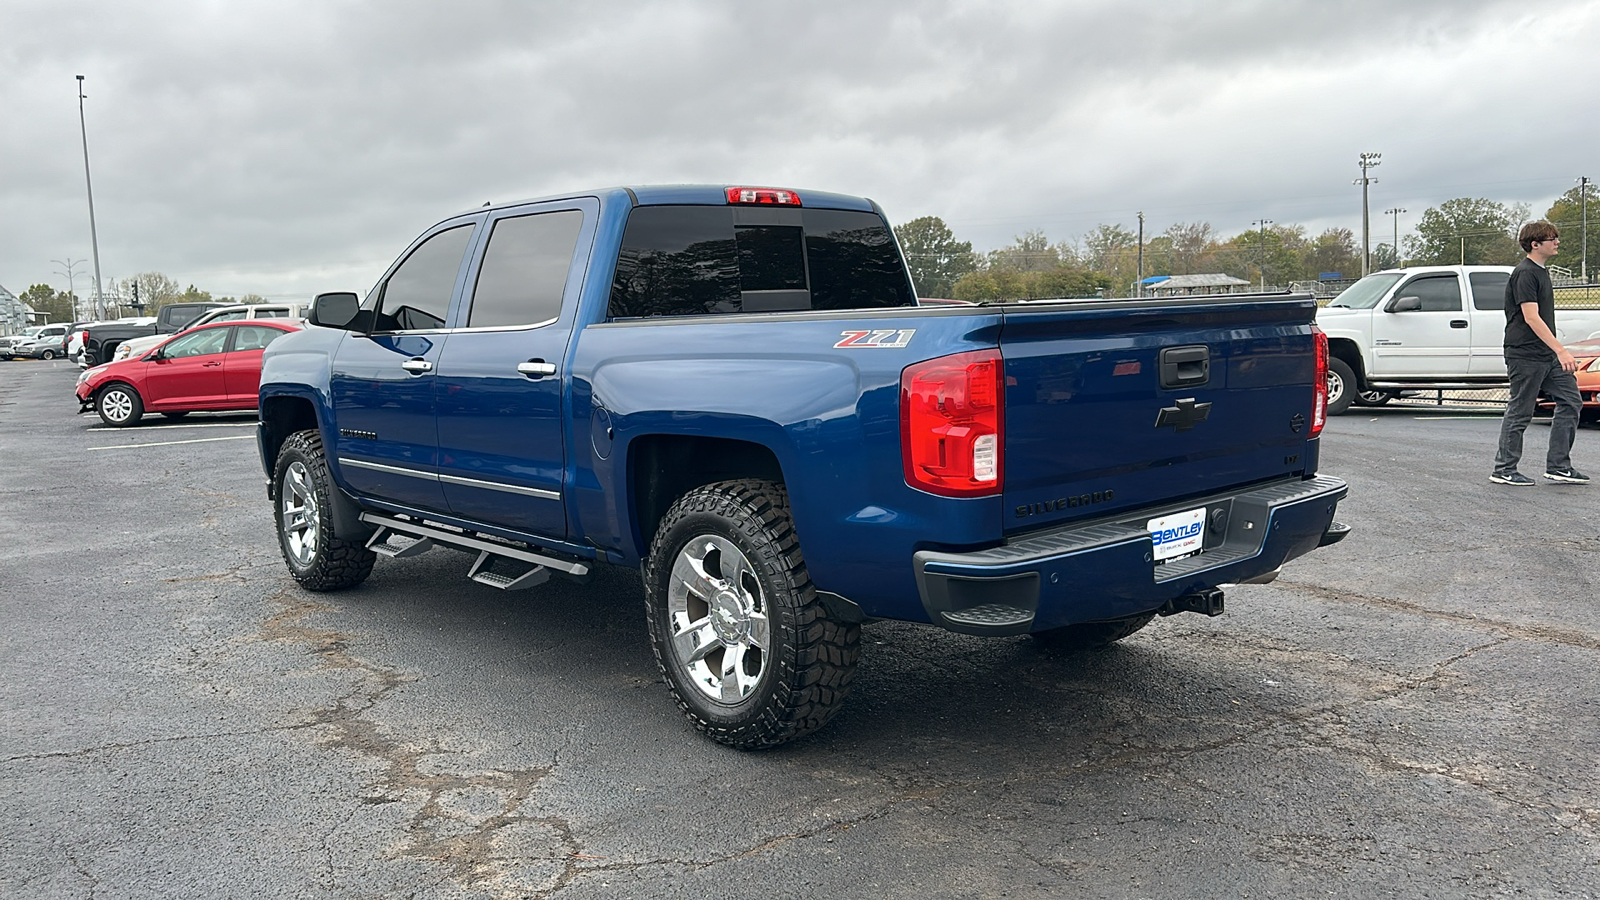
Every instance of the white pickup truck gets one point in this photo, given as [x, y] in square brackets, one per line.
[1430, 327]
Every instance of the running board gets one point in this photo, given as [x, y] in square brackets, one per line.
[425, 537]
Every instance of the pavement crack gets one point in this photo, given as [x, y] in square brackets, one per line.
[1537, 633]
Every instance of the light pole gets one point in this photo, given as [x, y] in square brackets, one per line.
[94, 239]
[1396, 213]
[1368, 161]
[1263, 225]
[1138, 284]
[71, 275]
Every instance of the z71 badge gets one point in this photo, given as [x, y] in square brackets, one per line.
[882, 339]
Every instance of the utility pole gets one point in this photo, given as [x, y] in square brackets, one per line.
[1263, 223]
[1368, 161]
[71, 275]
[94, 239]
[1138, 285]
[1396, 213]
[1583, 239]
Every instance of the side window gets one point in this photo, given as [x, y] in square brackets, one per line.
[417, 294]
[1488, 289]
[255, 337]
[1439, 293]
[197, 343]
[227, 316]
[271, 313]
[524, 271]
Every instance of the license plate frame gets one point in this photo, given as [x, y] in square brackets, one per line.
[1177, 535]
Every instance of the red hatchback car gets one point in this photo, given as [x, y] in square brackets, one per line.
[211, 368]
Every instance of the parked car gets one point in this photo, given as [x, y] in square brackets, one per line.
[1587, 353]
[9, 340]
[214, 367]
[101, 341]
[1425, 328]
[46, 342]
[236, 312]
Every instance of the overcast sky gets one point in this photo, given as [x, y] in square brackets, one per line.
[286, 148]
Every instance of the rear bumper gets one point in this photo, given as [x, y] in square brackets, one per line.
[1105, 569]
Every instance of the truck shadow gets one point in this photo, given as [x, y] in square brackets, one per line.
[943, 700]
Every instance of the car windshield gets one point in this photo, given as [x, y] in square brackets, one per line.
[1366, 293]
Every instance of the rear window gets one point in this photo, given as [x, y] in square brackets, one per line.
[699, 260]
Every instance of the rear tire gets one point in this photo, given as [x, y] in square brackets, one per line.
[48, 355]
[751, 655]
[1342, 386]
[119, 406]
[303, 493]
[1091, 635]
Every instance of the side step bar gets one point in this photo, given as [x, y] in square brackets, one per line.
[416, 538]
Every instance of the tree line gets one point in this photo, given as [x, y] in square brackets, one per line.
[1105, 262]
[153, 289]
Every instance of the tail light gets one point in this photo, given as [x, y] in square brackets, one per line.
[1319, 386]
[951, 412]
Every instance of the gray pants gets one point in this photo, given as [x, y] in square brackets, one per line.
[1528, 378]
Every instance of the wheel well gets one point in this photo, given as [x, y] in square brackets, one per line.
[281, 417]
[1347, 351]
[664, 467]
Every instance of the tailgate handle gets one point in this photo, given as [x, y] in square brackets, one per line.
[1185, 366]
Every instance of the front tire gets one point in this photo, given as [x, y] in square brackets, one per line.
[47, 355]
[119, 406]
[304, 490]
[1342, 386]
[750, 653]
[1091, 635]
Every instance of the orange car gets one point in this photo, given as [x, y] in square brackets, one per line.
[1588, 356]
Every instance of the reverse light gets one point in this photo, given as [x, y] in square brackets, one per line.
[763, 196]
[1319, 384]
[951, 412]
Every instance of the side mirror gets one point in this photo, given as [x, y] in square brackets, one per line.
[334, 310]
[1404, 304]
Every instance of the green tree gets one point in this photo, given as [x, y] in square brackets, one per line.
[998, 283]
[46, 299]
[1467, 230]
[1335, 250]
[1567, 214]
[936, 259]
[1113, 251]
[1188, 243]
[1030, 252]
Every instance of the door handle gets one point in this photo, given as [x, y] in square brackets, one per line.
[1458, 323]
[417, 366]
[211, 364]
[536, 368]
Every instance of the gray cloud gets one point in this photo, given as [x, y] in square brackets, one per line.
[289, 147]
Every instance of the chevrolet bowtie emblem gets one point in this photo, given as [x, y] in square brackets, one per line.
[1184, 415]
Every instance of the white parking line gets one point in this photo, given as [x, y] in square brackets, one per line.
[249, 424]
[238, 437]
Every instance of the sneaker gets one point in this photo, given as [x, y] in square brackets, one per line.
[1569, 475]
[1516, 479]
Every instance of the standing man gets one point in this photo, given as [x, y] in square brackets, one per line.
[1536, 362]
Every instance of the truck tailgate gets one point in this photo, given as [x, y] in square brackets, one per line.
[1115, 406]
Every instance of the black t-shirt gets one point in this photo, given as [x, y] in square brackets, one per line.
[1530, 283]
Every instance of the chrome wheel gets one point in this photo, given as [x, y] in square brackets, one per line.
[300, 514]
[721, 633]
[116, 406]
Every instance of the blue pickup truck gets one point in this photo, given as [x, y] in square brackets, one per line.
[737, 390]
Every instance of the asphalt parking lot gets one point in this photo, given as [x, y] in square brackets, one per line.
[1411, 713]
